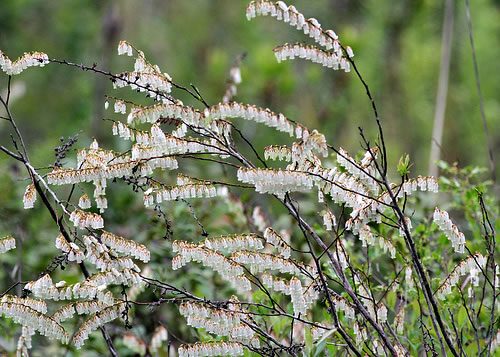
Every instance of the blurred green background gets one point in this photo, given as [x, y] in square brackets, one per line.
[397, 47]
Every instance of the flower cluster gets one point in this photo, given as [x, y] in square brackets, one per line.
[329, 220]
[24, 341]
[277, 182]
[360, 333]
[171, 193]
[365, 173]
[98, 165]
[40, 285]
[251, 112]
[159, 336]
[233, 81]
[215, 321]
[313, 54]
[89, 289]
[84, 202]
[319, 332]
[64, 313]
[382, 313]
[409, 278]
[105, 262]
[368, 238]
[242, 333]
[314, 141]
[471, 265]
[202, 349]
[151, 83]
[29, 196]
[88, 307]
[379, 348]
[427, 183]
[35, 304]
[342, 187]
[127, 277]
[98, 319]
[72, 250]
[124, 48]
[27, 60]
[298, 302]
[234, 242]
[7, 243]
[399, 321]
[146, 148]
[120, 106]
[279, 243]
[260, 262]
[125, 246]
[343, 305]
[82, 219]
[135, 344]
[259, 220]
[290, 15]
[278, 152]
[153, 114]
[33, 319]
[123, 131]
[451, 231]
[228, 269]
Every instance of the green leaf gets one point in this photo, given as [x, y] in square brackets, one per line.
[404, 165]
[322, 342]
[461, 316]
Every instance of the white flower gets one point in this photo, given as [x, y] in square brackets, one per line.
[159, 336]
[29, 196]
[7, 243]
[399, 321]
[84, 202]
[382, 313]
[451, 231]
[409, 278]
[124, 48]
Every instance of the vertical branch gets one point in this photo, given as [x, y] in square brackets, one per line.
[490, 236]
[442, 93]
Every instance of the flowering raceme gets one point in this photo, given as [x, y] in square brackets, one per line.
[277, 182]
[28, 60]
[313, 54]
[451, 231]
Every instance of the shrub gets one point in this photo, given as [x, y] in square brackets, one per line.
[312, 257]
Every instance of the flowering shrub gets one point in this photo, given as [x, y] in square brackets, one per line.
[354, 274]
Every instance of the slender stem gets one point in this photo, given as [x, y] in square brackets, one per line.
[478, 86]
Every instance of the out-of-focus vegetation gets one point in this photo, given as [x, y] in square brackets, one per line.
[397, 47]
